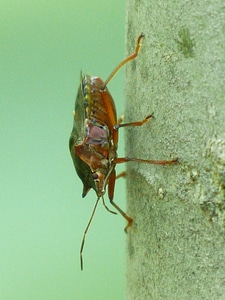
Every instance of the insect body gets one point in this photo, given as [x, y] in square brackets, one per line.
[94, 139]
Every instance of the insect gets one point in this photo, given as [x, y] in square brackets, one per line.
[94, 139]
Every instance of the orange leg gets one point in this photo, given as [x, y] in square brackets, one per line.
[111, 186]
[129, 219]
[126, 159]
[137, 123]
[109, 210]
[131, 57]
[121, 160]
[122, 174]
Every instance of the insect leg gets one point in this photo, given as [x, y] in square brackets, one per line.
[121, 160]
[129, 219]
[122, 174]
[111, 185]
[127, 159]
[103, 201]
[137, 123]
[131, 57]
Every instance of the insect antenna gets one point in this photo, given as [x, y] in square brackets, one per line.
[123, 62]
[85, 232]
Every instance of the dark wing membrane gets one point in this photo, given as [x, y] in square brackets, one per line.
[77, 137]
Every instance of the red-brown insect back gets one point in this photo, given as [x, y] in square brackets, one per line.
[94, 139]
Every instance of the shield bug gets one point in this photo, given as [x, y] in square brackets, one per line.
[94, 139]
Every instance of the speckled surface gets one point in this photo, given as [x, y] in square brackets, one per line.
[176, 248]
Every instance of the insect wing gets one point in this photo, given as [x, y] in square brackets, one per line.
[76, 138]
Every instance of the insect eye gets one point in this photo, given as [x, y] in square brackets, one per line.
[95, 176]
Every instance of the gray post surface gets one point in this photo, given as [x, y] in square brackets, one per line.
[176, 246]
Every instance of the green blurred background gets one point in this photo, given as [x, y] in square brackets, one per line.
[44, 45]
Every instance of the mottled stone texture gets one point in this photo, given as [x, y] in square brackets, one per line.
[176, 247]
